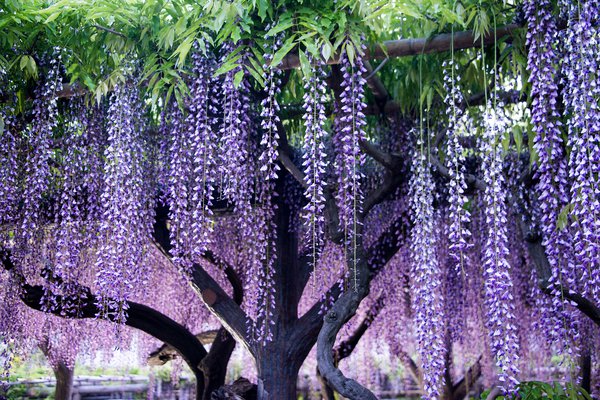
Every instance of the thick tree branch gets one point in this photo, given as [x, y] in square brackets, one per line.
[390, 161]
[537, 254]
[214, 365]
[222, 306]
[231, 316]
[470, 179]
[166, 352]
[283, 155]
[342, 309]
[410, 47]
[289, 165]
[139, 317]
[584, 305]
[346, 348]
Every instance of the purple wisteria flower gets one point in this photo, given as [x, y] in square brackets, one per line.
[459, 232]
[552, 187]
[581, 81]
[498, 285]
[426, 284]
[126, 219]
[39, 140]
[349, 159]
[9, 168]
[314, 158]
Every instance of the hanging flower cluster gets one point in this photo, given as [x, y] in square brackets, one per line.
[269, 118]
[124, 229]
[72, 216]
[581, 100]
[496, 268]
[9, 171]
[204, 146]
[459, 232]
[180, 197]
[349, 158]
[39, 139]
[95, 141]
[264, 216]
[235, 135]
[426, 287]
[248, 183]
[552, 186]
[314, 157]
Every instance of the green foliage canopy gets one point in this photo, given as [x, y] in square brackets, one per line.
[100, 38]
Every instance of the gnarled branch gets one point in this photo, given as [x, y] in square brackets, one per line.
[139, 316]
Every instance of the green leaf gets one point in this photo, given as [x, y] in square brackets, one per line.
[283, 51]
[263, 7]
[304, 64]
[183, 49]
[181, 25]
[563, 217]
[350, 52]
[226, 67]
[256, 75]
[326, 50]
[52, 17]
[505, 142]
[280, 27]
[237, 79]
[518, 137]
[89, 83]
[236, 34]
[23, 62]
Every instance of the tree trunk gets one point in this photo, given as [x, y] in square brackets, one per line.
[64, 382]
[214, 365]
[586, 369]
[277, 373]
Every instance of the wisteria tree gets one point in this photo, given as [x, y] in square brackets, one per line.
[423, 174]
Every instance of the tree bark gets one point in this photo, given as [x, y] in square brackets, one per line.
[346, 348]
[277, 369]
[585, 363]
[214, 365]
[327, 392]
[64, 381]
[416, 46]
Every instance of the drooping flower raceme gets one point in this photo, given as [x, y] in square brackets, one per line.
[582, 60]
[496, 268]
[552, 186]
[180, 187]
[459, 216]
[9, 171]
[124, 229]
[264, 246]
[37, 168]
[349, 158]
[314, 157]
[72, 217]
[204, 139]
[244, 181]
[428, 303]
